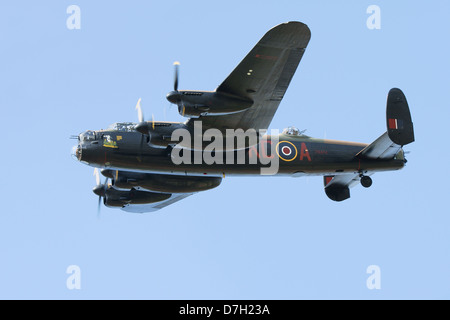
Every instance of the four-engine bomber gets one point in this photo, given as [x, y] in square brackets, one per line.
[151, 164]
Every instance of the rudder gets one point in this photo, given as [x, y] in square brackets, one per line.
[399, 123]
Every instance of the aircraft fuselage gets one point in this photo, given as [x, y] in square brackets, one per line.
[295, 155]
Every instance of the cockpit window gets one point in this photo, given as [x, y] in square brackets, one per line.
[124, 126]
[292, 131]
[87, 136]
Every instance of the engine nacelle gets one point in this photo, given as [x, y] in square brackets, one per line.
[203, 103]
[163, 182]
[160, 141]
[159, 134]
[119, 198]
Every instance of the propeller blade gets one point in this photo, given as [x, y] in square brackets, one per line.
[99, 206]
[100, 189]
[139, 110]
[97, 177]
[153, 121]
[105, 186]
[175, 85]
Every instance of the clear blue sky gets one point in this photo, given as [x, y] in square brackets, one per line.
[251, 238]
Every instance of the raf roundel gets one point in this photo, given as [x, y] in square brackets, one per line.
[286, 151]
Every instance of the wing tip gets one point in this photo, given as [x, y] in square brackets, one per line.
[293, 34]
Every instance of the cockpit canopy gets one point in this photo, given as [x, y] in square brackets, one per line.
[293, 131]
[122, 126]
[87, 136]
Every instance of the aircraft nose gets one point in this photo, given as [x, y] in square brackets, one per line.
[76, 152]
[173, 96]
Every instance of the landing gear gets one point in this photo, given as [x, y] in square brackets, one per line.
[366, 181]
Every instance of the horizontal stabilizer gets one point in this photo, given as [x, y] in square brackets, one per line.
[383, 149]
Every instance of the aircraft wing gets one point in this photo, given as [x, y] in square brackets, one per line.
[263, 77]
[152, 207]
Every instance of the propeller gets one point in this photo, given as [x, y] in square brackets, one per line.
[99, 189]
[174, 96]
[139, 110]
[142, 126]
[97, 177]
[176, 76]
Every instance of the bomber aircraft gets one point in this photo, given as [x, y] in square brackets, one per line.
[152, 164]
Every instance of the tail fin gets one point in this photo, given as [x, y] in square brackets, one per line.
[398, 117]
[400, 130]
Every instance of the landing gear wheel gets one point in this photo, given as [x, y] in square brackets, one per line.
[366, 181]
